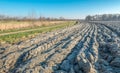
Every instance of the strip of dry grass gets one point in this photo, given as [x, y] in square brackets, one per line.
[8, 25]
[14, 38]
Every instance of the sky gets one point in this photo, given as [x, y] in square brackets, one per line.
[59, 8]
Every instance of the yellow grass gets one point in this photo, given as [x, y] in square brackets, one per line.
[5, 25]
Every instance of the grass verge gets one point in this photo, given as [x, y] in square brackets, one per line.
[14, 38]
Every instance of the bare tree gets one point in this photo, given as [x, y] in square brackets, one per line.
[32, 17]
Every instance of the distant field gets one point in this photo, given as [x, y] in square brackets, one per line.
[16, 35]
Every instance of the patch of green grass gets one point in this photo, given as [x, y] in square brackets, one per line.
[14, 38]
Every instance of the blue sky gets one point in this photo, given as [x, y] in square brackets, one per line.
[57, 8]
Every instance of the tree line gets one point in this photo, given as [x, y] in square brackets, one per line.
[104, 17]
[31, 18]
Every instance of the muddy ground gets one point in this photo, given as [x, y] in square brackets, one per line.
[82, 48]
